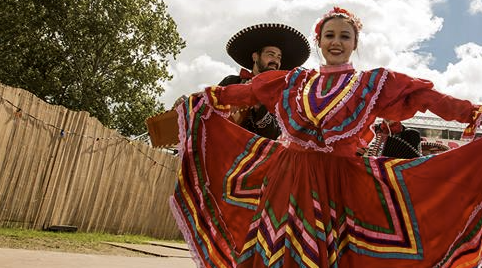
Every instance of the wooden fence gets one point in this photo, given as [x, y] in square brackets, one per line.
[60, 167]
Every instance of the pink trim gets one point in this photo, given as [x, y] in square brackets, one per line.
[299, 98]
[365, 115]
[274, 235]
[319, 87]
[328, 149]
[342, 103]
[477, 209]
[337, 86]
[212, 229]
[238, 183]
[290, 138]
[186, 232]
[188, 145]
[182, 130]
[299, 223]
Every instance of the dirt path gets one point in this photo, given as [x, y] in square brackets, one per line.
[62, 245]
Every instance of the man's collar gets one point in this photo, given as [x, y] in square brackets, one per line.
[245, 74]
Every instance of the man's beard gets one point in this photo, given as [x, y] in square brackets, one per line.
[267, 67]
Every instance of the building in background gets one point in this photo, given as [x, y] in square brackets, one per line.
[436, 131]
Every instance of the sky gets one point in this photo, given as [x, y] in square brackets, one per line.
[439, 40]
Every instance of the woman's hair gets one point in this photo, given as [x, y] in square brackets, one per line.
[337, 12]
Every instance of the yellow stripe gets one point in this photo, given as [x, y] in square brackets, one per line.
[215, 100]
[263, 243]
[402, 203]
[468, 264]
[330, 106]
[249, 244]
[332, 258]
[277, 255]
[306, 92]
[254, 201]
[298, 247]
[214, 257]
[413, 249]
[375, 248]
[320, 225]
[335, 234]
[472, 262]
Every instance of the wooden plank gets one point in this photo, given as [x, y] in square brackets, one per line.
[93, 179]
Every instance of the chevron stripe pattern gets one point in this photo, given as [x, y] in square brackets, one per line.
[307, 241]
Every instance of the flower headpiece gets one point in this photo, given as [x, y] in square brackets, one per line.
[338, 12]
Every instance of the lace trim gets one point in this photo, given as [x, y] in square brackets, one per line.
[182, 130]
[183, 227]
[365, 115]
[446, 260]
[299, 98]
[287, 138]
[197, 188]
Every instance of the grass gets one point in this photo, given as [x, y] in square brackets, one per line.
[74, 236]
[78, 242]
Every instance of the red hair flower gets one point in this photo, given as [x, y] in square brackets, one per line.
[338, 12]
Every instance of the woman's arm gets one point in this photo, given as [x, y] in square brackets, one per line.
[403, 96]
[264, 88]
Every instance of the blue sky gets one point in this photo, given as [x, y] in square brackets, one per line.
[439, 40]
[459, 27]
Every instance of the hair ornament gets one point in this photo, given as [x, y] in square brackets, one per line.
[338, 12]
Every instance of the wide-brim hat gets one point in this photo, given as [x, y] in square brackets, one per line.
[294, 46]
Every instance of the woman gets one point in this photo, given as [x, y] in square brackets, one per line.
[308, 200]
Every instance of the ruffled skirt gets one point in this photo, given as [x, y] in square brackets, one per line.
[246, 201]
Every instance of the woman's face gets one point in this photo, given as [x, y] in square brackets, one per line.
[337, 41]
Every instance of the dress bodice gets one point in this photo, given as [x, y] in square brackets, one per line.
[330, 107]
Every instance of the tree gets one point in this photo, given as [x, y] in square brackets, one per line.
[107, 57]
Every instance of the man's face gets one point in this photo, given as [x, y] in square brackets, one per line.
[268, 59]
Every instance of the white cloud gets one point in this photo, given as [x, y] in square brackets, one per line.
[475, 6]
[193, 76]
[393, 32]
[463, 79]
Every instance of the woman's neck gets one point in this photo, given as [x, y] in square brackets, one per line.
[336, 68]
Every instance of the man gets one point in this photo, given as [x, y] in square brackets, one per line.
[393, 139]
[260, 48]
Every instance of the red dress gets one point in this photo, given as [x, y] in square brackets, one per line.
[307, 200]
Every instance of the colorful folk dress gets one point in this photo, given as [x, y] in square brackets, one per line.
[307, 200]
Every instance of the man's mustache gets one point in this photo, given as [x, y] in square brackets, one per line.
[273, 63]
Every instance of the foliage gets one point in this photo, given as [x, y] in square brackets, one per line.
[107, 57]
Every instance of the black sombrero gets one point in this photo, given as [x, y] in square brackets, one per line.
[293, 44]
[433, 147]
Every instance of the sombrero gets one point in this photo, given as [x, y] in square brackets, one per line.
[433, 147]
[293, 44]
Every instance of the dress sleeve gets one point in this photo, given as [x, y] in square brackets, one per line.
[402, 96]
[264, 88]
